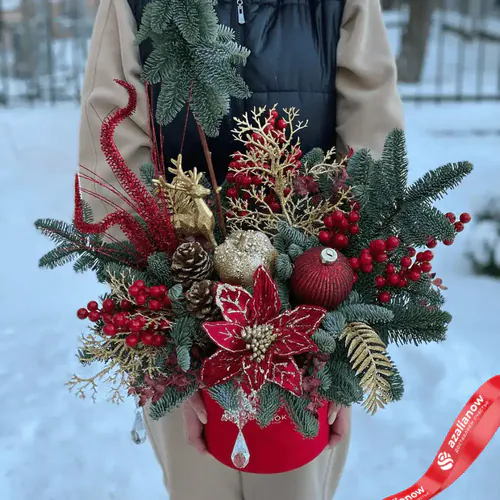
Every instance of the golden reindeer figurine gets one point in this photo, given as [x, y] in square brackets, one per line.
[192, 216]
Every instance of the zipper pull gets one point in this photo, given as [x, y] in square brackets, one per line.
[241, 12]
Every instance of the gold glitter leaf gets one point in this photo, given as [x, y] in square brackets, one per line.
[368, 356]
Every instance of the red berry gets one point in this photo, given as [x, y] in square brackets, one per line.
[82, 313]
[432, 243]
[163, 289]
[354, 216]
[448, 242]
[380, 281]
[141, 299]
[134, 291]
[365, 251]
[94, 316]
[340, 240]
[354, 229]
[164, 324]
[328, 221]
[377, 246]
[380, 257]
[344, 224]
[421, 257]
[459, 227]
[139, 284]
[246, 181]
[465, 218]
[429, 255]
[393, 279]
[354, 261]
[274, 113]
[126, 304]
[365, 258]
[132, 340]
[406, 261]
[324, 237]
[257, 180]
[119, 319]
[107, 318]
[230, 176]
[154, 305]
[275, 206]
[384, 297]
[390, 269]
[147, 337]
[411, 252]
[281, 124]
[108, 305]
[451, 217]
[355, 206]
[232, 192]
[166, 302]
[426, 267]
[392, 242]
[135, 325]
[109, 330]
[156, 291]
[92, 305]
[354, 278]
[338, 216]
[158, 340]
[414, 275]
[367, 268]
[403, 282]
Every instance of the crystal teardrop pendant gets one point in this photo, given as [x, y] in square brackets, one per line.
[138, 432]
[240, 455]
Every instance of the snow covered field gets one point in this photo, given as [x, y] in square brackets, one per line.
[55, 447]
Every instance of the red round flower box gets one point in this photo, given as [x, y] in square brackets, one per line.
[276, 448]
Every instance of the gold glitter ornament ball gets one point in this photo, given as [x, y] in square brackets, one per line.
[237, 259]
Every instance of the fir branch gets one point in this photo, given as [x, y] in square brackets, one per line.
[325, 341]
[269, 404]
[344, 388]
[435, 184]
[172, 398]
[226, 395]
[306, 422]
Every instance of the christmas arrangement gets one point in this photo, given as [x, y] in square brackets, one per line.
[275, 293]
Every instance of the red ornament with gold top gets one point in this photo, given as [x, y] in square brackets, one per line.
[323, 277]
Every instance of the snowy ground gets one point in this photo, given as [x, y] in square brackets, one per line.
[55, 447]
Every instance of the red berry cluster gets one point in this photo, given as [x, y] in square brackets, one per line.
[241, 176]
[125, 317]
[459, 226]
[410, 270]
[339, 226]
[377, 252]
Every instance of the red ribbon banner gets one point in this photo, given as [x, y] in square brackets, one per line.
[473, 429]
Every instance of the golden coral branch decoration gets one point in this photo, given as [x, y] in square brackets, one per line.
[272, 156]
[122, 365]
[368, 357]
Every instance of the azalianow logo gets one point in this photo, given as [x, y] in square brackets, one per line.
[445, 461]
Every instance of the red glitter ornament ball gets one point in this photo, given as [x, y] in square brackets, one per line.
[323, 277]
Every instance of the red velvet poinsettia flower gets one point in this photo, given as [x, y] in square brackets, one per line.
[255, 340]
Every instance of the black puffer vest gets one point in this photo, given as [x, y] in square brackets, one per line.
[293, 46]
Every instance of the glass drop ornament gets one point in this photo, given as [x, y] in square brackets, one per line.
[138, 432]
[240, 455]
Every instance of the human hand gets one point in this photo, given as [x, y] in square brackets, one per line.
[338, 419]
[195, 417]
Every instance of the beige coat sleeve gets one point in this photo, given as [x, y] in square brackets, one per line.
[112, 55]
[368, 102]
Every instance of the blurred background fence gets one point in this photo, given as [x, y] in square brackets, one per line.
[447, 50]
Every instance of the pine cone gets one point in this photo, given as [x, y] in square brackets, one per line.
[191, 263]
[200, 301]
